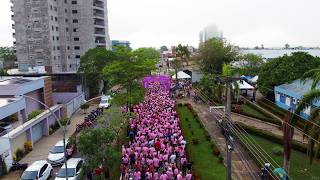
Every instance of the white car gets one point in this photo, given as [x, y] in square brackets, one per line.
[56, 154]
[74, 167]
[40, 170]
[105, 101]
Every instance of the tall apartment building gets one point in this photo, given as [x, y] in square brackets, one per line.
[211, 31]
[55, 33]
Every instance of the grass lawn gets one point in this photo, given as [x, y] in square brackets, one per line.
[205, 164]
[250, 110]
[299, 166]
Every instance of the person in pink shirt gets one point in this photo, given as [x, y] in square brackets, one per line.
[189, 176]
[179, 176]
[164, 177]
[137, 175]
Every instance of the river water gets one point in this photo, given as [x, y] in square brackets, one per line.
[273, 53]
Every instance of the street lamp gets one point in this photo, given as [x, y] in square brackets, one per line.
[64, 128]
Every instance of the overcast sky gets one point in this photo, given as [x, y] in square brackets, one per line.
[246, 23]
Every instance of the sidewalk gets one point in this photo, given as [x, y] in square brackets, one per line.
[41, 148]
[243, 167]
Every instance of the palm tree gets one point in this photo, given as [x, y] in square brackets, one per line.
[183, 53]
[311, 129]
[314, 74]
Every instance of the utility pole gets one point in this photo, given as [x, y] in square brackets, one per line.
[229, 138]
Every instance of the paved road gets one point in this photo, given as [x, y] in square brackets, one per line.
[41, 148]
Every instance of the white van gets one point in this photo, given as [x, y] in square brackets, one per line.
[105, 101]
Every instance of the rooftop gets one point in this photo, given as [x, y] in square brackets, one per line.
[298, 87]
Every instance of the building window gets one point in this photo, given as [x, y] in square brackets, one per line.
[52, 37]
[54, 57]
[54, 48]
[50, 7]
[57, 38]
[51, 18]
[76, 39]
[65, 10]
[74, 11]
[67, 29]
[57, 29]
[52, 28]
[56, 19]
[75, 21]
[77, 56]
[75, 30]
[67, 20]
[65, 1]
[77, 48]
[68, 47]
[73, 2]
[58, 47]
[55, 9]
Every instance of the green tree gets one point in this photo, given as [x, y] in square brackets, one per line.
[248, 64]
[183, 53]
[285, 69]
[91, 65]
[163, 48]
[95, 145]
[127, 72]
[84, 107]
[8, 53]
[147, 53]
[214, 53]
[3, 72]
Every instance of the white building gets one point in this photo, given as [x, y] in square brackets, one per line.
[210, 32]
[55, 33]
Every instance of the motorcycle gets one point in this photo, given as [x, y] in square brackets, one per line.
[17, 166]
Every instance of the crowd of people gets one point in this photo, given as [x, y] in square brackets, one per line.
[156, 150]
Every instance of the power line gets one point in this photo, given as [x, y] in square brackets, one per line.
[251, 149]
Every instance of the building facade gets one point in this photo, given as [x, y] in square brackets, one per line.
[120, 43]
[209, 32]
[55, 33]
[21, 96]
[288, 96]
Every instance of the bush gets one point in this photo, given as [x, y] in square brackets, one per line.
[64, 121]
[28, 146]
[35, 113]
[195, 141]
[84, 107]
[216, 151]
[220, 159]
[19, 154]
[3, 166]
[272, 137]
[50, 131]
[277, 151]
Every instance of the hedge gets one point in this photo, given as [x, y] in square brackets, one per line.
[270, 120]
[296, 145]
[35, 113]
[281, 112]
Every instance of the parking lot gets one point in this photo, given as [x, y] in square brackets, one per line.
[41, 148]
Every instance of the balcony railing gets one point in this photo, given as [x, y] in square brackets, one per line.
[98, 14]
[99, 23]
[100, 41]
[98, 5]
[100, 32]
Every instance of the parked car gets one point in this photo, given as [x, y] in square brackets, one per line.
[74, 167]
[105, 101]
[40, 170]
[56, 154]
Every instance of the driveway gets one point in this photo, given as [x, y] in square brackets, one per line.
[41, 148]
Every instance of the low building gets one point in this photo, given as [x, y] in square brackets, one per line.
[288, 96]
[22, 96]
[120, 43]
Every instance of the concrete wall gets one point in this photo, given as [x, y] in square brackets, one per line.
[31, 104]
[63, 97]
[18, 142]
[5, 152]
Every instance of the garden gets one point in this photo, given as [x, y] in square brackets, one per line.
[202, 151]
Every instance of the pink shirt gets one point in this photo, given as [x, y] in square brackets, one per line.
[188, 176]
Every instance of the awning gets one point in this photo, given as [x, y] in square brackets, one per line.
[243, 85]
[181, 75]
